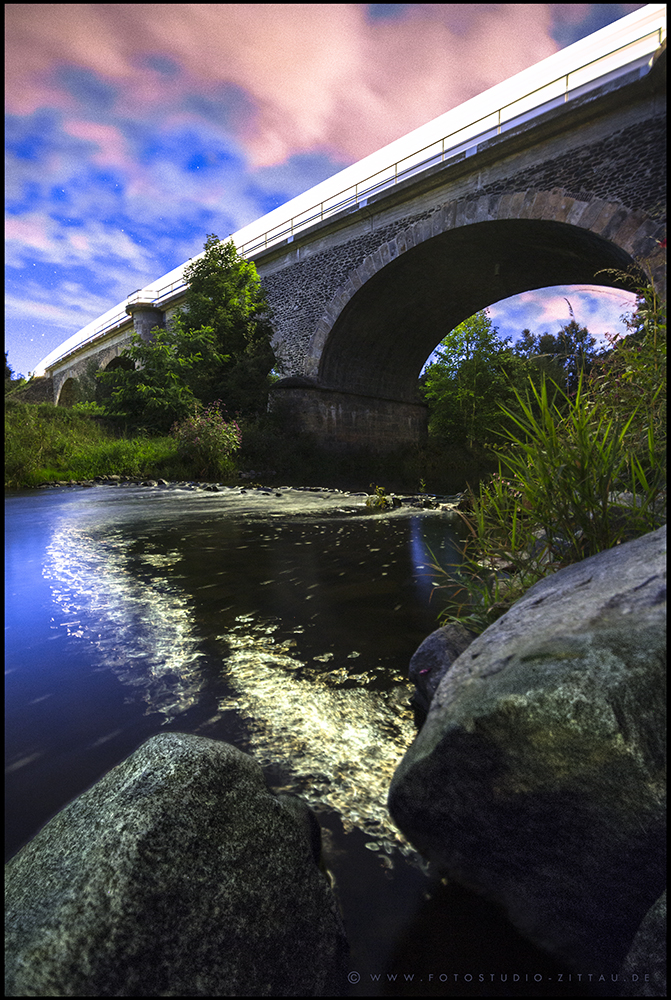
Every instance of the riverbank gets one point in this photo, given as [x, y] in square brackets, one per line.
[47, 443]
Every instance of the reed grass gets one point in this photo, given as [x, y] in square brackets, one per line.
[572, 482]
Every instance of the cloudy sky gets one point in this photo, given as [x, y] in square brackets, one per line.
[134, 130]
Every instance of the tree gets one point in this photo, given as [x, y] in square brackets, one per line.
[225, 296]
[166, 379]
[475, 371]
[216, 349]
[9, 373]
[561, 356]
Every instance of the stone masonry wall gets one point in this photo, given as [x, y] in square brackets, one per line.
[628, 167]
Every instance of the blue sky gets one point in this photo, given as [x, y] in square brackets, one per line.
[134, 130]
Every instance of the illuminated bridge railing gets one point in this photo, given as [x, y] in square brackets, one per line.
[634, 54]
[564, 88]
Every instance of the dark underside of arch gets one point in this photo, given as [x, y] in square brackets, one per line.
[385, 333]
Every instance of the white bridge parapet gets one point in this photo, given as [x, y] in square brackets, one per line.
[624, 47]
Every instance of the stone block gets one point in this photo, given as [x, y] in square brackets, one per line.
[365, 270]
[591, 213]
[493, 205]
[575, 212]
[511, 204]
[448, 216]
[531, 205]
[564, 207]
[549, 204]
[644, 240]
[423, 231]
[626, 231]
[377, 260]
[608, 211]
[462, 214]
[437, 223]
[384, 254]
[615, 222]
[409, 236]
[354, 282]
[341, 298]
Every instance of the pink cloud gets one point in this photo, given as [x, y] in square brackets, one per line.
[322, 77]
[109, 140]
[29, 230]
[573, 13]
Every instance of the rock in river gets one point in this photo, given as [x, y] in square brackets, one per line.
[177, 874]
[538, 778]
[434, 658]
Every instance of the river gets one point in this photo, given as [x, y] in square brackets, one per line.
[281, 622]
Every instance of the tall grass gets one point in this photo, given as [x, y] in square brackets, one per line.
[45, 443]
[577, 475]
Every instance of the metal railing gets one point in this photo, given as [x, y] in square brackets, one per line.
[559, 91]
[464, 140]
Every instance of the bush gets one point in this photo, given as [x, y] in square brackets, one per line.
[162, 382]
[207, 442]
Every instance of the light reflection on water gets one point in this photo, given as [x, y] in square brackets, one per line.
[139, 625]
[301, 628]
[340, 745]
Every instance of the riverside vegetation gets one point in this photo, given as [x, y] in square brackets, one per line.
[562, 448]
[580, 470]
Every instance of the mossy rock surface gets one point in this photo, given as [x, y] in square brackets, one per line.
[538, 778]
[177, 874]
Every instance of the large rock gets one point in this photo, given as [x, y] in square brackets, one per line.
[644, 971]
[538, 777]
[434, 658]
[177, 874]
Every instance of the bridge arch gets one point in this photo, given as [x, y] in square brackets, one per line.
[392, 311]
[78, 375]
[69, 393]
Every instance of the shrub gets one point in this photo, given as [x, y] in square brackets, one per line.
[208, 442]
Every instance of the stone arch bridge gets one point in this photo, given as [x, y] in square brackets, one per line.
[360, 300]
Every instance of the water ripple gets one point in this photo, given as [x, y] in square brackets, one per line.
[139, 626]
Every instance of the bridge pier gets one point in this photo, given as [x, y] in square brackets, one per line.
[145, 318]
[347, 421]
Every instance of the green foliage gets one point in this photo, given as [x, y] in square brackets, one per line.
[225, 296]
[207, 441]
[169, 372]
[578, 474]
[218, 347]
[474, 373]
[379, 500]
[629, 379]
[560, 357]
[89, 407]
[46, 443]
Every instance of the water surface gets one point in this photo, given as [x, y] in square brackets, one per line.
[130, 611]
